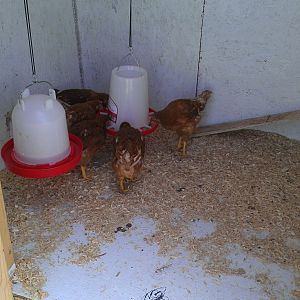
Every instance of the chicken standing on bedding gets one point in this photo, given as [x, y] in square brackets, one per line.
[129, 151]
[93, 136]
[182, 116]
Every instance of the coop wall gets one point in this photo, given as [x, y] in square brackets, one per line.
[249, 52]
[250, 58]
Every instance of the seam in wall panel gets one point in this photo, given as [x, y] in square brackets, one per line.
[200, 46]
[78, 43]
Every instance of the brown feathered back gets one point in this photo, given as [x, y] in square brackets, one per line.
[82, 111]
[129, 151]
[74, 96]
[88, 130]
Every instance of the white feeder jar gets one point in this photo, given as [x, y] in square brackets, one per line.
[128, 96]
[40, 129]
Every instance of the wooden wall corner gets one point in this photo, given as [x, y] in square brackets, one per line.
[4, 233]
[5, 285]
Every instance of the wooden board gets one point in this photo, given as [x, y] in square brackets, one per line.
[5, 286]
[4, 233]
[237, 125]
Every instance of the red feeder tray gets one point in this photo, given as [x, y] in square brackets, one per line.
[45, 170]
[144, 130]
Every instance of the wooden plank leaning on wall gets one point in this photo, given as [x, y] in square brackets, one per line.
[4, 233]
[237, 125]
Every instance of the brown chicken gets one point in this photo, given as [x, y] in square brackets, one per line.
[182, 116]
[75, 96]
[82, 111]
[93, 135]
[129, 151]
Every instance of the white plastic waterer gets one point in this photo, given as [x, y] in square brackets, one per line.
[128, 96]
[40, 131]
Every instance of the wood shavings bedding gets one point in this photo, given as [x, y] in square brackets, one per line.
[246, 180]
[31, 277]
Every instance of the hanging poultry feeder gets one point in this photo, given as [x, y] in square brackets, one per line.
[128, 94]
[128, 99]
[41, 146]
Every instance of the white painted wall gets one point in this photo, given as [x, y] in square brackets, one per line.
[53, 34]
[166, 38]
[103, 27]
[250, 59]
[14, 61]
[249, 55]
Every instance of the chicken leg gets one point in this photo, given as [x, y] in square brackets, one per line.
[179, 145]
[122, 185]
[83, 171]
[184, 148]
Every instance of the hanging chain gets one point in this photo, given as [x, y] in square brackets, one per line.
[78, 42]
[34, 77]
[130, 27]
[200, 48]
[130, 54]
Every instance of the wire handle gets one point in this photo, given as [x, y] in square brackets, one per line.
[39, 82]
[126, 57]
[35, 81]
[130, 54]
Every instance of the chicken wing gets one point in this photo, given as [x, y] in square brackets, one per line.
[93, 136]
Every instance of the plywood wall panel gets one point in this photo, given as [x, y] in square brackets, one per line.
[103, 27]
[250, 58]
[166, 37]
[14, 59]
[54, 40]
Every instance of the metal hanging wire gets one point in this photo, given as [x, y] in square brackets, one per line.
[78, 42]
[114, 116]
[130, 26]
[31, 52]
[200, 48]
[130, 54]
